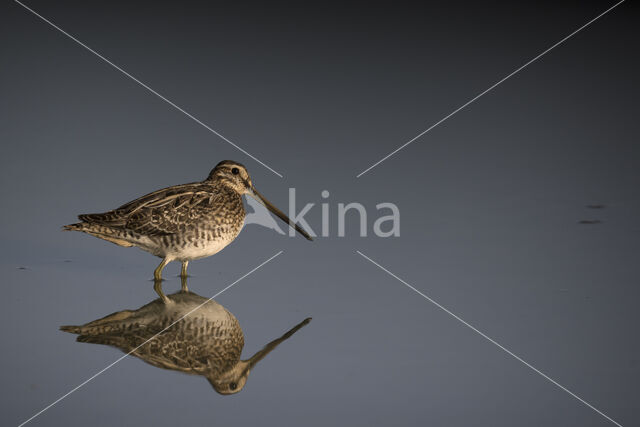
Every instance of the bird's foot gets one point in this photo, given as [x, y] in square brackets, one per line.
[183, 280]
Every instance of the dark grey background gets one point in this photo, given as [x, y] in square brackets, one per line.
[490, 203]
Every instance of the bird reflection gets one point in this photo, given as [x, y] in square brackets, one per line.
[206, 342]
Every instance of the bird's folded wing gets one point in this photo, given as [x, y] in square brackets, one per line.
[119, 217]
[159, 194]
[171, 213]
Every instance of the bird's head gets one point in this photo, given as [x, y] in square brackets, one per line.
[233, 380]
[234, 176]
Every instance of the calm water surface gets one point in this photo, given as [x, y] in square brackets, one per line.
[494, 218]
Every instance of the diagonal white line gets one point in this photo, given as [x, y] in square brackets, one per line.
[491, 340]
[489, 89]
[58, 400]
[177, 107]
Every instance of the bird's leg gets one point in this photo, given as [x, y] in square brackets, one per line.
[157, 280]
[157, 286]
[183, 272]
[183, 276]
[183, 279]
[157, 273]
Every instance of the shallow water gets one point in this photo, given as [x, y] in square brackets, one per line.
[491, 208]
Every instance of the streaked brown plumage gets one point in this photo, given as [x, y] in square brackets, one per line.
[184, 222]
[206, 339]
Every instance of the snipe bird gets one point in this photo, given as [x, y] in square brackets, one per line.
[207, 342]
[184, 222]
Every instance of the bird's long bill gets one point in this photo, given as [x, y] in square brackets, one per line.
[273, 344]
[279, 213]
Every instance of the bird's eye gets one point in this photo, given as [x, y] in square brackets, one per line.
[233, 386]
[235, 171]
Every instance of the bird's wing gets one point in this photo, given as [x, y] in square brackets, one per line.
[170, 213]
[118, 217]
[176, 355]
[162, 212]
[190, 350]
[196, 347]
[182, 355]
[158, 194]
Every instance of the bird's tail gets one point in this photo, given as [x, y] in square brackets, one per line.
[71, 329]
[92, 222]
[113, 340]
[104, 325]
[108, 233]
[93, 335]
[74, 227]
